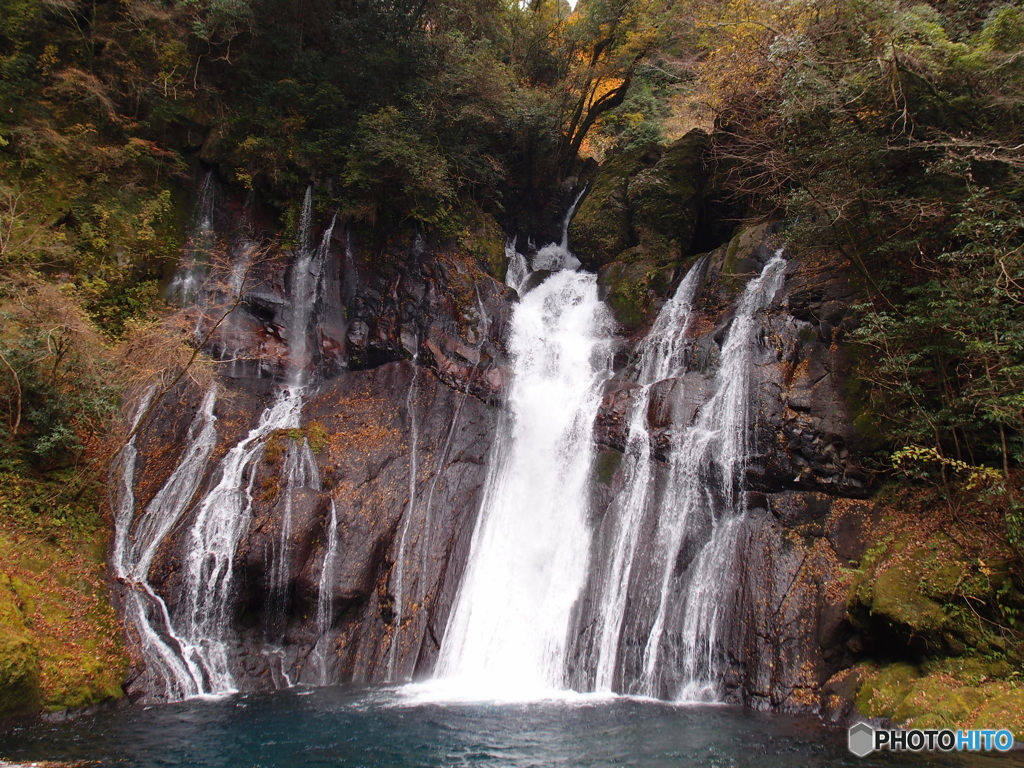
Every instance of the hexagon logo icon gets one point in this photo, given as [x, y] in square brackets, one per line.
[861, 739]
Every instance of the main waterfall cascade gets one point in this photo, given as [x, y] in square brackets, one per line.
[507, 635]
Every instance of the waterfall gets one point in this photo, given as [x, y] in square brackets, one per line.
[402, 554]
[223, 516]
[300, 471]
[701, 512]
[507, 634]
[659, 357]
[325, 600]
[186, 288]
[136, 546]
[304, 292]
[190, 650]
[556, 256]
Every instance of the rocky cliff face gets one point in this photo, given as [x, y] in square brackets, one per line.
[406, 363]
[806, 502]
[407, 374]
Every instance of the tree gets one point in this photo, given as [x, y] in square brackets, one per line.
[600, 48]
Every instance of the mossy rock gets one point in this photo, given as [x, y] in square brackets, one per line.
[742, 259]
[884, 690]
[940, 700]
[484, 240]
[886, 597]
[1004, 710]
[664, 198]
[20, 692]
[601, 229]
[912, 593]
[896, 594]
[649, 197]
[628, 290]
[664, 252]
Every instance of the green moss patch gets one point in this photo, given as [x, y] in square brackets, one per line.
[60, 640]
[921, 595]
[315, 433]
[606, 465]
[19, 657]
[484, 240]
[941, 699]
[628, 291]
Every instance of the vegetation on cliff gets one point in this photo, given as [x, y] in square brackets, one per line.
[891, 132]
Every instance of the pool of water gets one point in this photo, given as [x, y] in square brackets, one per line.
[388, 727]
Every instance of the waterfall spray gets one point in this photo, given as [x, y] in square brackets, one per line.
[507, 634]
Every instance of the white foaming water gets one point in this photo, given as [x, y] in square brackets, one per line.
[706, 469]
[508, 631]
[556, 256]
[223, 516]
[660, 355]
[135, 547]
[518, 269]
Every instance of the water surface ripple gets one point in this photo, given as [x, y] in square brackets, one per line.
[379, 727]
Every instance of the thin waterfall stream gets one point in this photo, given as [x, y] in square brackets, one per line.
[399, 586]
[187, 648]
[325, 602]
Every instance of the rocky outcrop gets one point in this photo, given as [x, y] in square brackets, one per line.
[643, 205]
[638, 219]
[408, 364]
[397, 419]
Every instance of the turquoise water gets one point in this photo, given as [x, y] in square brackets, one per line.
[380, 727]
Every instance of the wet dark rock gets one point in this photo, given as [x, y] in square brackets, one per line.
[794, 508]
[364, 469]
[789, 640]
